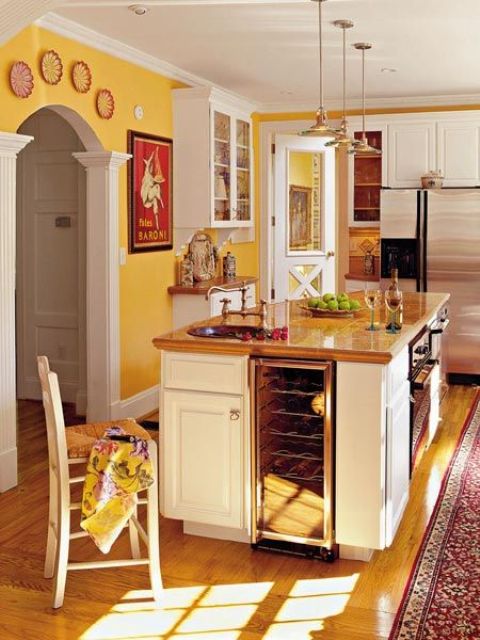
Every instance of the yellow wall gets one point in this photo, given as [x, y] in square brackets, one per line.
[145, 305]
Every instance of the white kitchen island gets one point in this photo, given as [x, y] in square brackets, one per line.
[206, 422]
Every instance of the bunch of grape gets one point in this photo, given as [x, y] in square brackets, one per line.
[331, 302]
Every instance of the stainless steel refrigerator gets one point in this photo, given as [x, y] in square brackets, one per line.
[433, 238]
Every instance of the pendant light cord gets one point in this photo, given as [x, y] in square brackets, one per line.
[320, 66]
[363, 94]
[344, 74]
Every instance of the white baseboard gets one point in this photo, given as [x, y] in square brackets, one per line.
[140, 404]
[212, 531]
[8, 469]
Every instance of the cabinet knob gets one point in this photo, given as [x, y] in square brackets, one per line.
[330, 254]
[234, 414]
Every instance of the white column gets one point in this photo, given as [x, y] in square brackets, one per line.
[103, 319]
[10, 145]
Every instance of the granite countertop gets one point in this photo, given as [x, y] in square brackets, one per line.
[341, 339]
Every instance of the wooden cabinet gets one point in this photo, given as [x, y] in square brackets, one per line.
[372, 452]
[203, 457]
[449, 144]
[367, 181]
[458, 152]
[367, 175]
[204, 440]
[411, 152]
[212, 160]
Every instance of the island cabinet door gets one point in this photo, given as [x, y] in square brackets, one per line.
[202, 458]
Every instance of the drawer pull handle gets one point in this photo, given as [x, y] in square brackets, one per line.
[234, 414]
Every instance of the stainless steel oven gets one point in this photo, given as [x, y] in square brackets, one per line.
[427, 379]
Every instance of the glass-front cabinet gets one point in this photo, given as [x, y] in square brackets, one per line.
[212, 159]
[232, 169]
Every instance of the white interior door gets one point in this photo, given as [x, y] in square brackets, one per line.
[304, 213]
[51, 259]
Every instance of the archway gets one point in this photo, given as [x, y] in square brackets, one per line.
[102, 282]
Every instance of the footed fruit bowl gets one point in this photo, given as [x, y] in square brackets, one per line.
[331, 306]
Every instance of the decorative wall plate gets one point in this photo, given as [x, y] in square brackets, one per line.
[51, 67]
[21, 79]
[105, 104]
[81, 77]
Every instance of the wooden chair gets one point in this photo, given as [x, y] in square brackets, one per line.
[71, 445]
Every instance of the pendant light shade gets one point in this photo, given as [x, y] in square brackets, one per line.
[342, 139]
[362, 147]
[320, 129]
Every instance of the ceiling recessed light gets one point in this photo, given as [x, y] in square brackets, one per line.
[389, 70]
[138, 9]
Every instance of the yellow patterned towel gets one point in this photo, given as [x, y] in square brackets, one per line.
[119, 466]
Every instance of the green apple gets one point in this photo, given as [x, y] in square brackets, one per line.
[332, 305]
[322, 305]
[312, 302]
[328, 296]
[354, 305]
[344, 305]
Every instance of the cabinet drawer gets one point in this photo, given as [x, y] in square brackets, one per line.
[201, 372]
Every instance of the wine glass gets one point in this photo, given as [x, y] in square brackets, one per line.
[393, 300]
[372, 300]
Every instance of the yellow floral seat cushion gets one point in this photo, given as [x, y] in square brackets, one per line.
[81, 437]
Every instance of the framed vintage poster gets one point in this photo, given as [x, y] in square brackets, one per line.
[300, 217]
[149, 192]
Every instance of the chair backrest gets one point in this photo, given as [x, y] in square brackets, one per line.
[52, 404]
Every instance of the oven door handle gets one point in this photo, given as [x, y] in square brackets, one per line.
[420, 386]
[436, 329]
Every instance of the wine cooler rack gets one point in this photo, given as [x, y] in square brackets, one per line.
[292, 463]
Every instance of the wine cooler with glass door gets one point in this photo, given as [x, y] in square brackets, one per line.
[292, 459]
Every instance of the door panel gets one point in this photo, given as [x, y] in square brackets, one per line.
[202, 458]
[304, 204]
[50, 260]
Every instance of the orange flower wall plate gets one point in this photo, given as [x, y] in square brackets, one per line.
[105, 104]
[81, 77]
[51, 67]
[21, 79]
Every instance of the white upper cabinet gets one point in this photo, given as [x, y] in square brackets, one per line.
[212, 160]
[411, 153]
[458, 152]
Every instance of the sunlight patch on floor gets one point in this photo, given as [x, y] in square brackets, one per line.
[222, 612]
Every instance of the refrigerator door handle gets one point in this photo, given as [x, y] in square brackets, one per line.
[425, 238]
[417, 238]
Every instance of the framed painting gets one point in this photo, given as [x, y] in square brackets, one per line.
[149, 192]
[300, 216]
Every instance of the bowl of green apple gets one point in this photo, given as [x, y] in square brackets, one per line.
[331, 305]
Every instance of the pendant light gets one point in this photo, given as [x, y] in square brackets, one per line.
[343, 140]
[320, 129]
[362, 147]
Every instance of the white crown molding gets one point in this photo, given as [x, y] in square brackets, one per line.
[165, 3]
[374, 103]
[89, 37]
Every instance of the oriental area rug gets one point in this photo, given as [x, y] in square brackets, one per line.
[442, 597]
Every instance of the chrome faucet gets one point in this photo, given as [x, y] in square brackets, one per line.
[243, 311]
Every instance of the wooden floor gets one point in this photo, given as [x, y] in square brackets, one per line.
[214, 590]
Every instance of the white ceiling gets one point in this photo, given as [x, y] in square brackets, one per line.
[268, 51]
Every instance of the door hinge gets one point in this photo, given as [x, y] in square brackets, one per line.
[272, 293]
[273, 147]
[273, 221]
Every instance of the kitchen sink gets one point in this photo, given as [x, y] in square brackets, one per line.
[224, 331]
